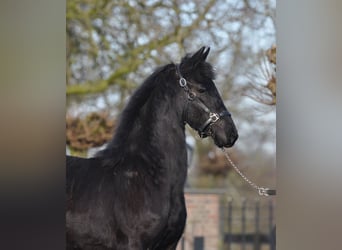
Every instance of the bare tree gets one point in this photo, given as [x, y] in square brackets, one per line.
[113, 45]
[262, 86]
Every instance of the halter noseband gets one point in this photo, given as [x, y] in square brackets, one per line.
[213, 116]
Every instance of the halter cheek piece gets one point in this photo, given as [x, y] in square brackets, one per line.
[204, 130]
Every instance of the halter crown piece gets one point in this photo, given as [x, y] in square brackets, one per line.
[204, 129]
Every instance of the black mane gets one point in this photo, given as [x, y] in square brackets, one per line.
[203, 69]
[159, 80]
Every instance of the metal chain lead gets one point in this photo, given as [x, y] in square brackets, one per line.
[261, 190]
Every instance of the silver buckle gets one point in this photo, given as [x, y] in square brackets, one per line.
[214, 117]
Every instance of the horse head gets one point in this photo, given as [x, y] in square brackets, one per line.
[204, 109]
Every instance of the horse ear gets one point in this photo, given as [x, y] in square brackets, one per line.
[200, 56]
[205, 53]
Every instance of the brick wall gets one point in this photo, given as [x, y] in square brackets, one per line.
[203, 219]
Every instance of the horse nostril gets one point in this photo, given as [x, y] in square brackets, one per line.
[233, 137]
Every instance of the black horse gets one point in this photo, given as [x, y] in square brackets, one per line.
[130, 196]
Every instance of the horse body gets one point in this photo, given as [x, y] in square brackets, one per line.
[130, 196]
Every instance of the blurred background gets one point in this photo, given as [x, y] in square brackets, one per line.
[112, 46]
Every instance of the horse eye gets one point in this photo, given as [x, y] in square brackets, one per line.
[202, 90]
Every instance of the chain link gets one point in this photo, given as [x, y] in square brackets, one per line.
[261, 190]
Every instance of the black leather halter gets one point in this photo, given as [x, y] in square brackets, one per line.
[204, 129]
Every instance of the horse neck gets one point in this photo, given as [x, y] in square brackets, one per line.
[160, 124]
[159, 137]
[151, 133]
